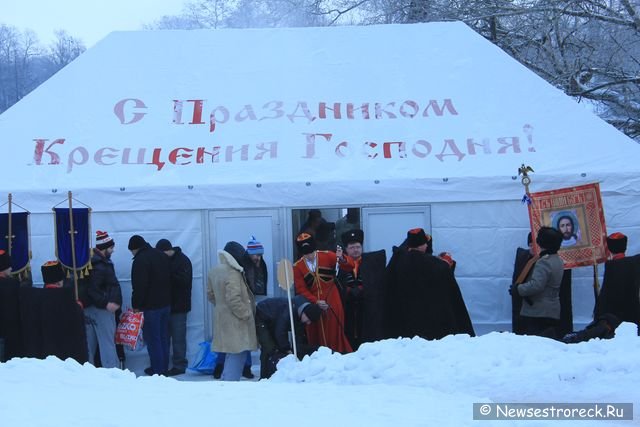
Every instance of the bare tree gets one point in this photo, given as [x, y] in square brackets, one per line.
[590, 49]
[245, 14]
[17, 74]
[65, 49]
[25, 64]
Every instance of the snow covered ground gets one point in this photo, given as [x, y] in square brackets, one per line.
[403, 382]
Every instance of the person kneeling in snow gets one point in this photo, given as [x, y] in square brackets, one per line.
[603, 326]
[272, 329]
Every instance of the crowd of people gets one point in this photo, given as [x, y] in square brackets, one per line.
[537, 290]
[61, 321]
[343, 298]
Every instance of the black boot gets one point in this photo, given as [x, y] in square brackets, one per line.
[246, 372]
[217, 371]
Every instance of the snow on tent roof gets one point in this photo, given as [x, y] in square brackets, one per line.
[253, 114]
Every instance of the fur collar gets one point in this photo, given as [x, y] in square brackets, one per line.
[225, 258]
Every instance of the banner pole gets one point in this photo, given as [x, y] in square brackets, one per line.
[596, 282]
[72, 233]
[285, 280]
[9, 234]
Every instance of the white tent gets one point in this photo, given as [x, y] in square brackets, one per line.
[206, 136]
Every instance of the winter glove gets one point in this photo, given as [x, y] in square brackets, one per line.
[349, 281]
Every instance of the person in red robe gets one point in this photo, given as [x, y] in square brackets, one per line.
[314, 278]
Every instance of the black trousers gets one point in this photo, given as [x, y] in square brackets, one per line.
[540, 326]
[267, 349]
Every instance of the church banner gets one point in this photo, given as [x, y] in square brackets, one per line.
[20, 242]
[81, 238]
[577, 213]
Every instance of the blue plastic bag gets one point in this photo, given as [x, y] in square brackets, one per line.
[205, 361]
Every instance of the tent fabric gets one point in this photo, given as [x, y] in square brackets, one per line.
[401, 111]
[150, 126]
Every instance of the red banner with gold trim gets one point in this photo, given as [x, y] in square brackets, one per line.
[577, 212]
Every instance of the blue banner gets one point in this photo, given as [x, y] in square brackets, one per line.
[20, 242]
[81, 237]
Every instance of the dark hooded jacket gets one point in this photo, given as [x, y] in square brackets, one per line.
[150, 279]
[102, 285]
[257, 275]
[273, 313]
[181, 282]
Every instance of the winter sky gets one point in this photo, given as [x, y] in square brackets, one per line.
[89, 21]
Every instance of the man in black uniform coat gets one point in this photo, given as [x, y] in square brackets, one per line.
[362, 291]
[10, 328]
[621, 282]
[53, 321]
[424, 297]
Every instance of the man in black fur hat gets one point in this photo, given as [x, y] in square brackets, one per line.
[424, 295]
[53, 321]
[621, 283]
[362, 291]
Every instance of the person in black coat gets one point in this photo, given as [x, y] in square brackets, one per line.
[53, 322]
[273, 324]
[181, 284]
[362, 291]
[10, 327]
[621, 283]
[523, 255]
[255, 269]
[423, 295]
[151, 294]
[103, 300]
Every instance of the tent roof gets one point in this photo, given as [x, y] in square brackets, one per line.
[426, 112]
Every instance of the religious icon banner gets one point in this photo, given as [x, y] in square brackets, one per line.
[577, 213]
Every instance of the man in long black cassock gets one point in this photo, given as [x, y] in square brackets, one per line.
[362, 291]
[424, 298]
[621, 283]
[52, 319]
[10, 325]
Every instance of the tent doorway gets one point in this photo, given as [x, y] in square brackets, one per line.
[242, 226]
[387, 226]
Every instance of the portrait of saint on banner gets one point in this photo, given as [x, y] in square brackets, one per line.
[577, 213]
